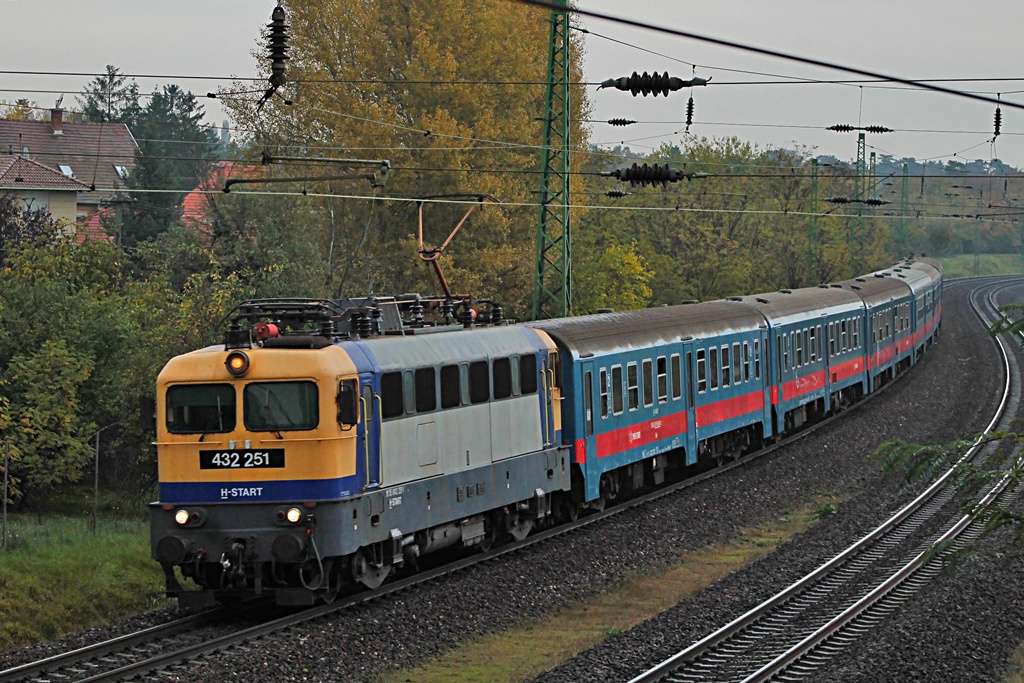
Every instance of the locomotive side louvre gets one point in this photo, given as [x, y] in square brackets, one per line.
[815, 351]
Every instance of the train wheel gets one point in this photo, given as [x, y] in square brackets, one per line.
[367, 573]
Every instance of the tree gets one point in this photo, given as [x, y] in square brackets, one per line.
[20, 224]
[21, 109]
[45, 424]
[414, 82]
[111, 97]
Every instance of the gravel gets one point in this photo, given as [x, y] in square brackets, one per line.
[944, 398]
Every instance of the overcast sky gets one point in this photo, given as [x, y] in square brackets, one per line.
[917, 39]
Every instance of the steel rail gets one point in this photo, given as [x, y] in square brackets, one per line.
[746, 620]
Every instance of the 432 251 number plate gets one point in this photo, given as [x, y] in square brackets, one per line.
[243, 460]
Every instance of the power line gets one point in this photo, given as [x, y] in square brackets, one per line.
[768, 52]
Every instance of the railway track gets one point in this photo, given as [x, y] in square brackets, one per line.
[792, 634]
[169, 646]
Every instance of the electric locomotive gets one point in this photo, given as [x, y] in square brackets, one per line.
[326, 443]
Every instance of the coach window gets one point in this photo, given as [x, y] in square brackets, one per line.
[391, 395]
[799, 354]
[746, 361]
[842, 337]
[677, 378]
[602, 385]
[737, 372]
[502, 372]
[821, 345]
[702, 372]
[814, 346]
[726, 376]
[451, 395]
[633, 386]
[479, 382]
[888, 317]
[808, 348]
[713, 367]
[648, 383]
[617, 390]
[831, 339]
[784, 365]
[855, 322]
[662, 380]
[528, 374]
[757, 359]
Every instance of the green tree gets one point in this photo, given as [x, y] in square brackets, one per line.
[111, 97]
[175, 153]
[20, 225]
[45, 425]
[22, 109]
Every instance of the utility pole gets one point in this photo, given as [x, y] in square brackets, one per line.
[552, 284]
[857, 233]
[812, 227]
[903, 227]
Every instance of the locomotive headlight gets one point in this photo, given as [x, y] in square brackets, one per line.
[237, 363]
[294, 515]
[181, 517]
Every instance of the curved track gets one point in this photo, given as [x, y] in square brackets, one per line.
[131, 660]
[792, 634]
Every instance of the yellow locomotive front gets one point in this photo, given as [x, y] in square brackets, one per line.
[250, 441]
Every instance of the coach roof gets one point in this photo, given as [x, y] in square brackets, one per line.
[604, 333]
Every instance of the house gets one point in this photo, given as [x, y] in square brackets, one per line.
[98, 155]
[39, 187]
[197, 205]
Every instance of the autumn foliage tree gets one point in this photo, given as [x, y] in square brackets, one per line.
[450, 96]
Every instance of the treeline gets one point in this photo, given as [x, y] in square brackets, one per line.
[451, 98]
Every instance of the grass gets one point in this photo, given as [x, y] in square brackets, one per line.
[57, 577]
[526, 651]
[1015, 672]
[988, 264]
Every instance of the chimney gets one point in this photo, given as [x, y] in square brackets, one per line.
[57, 120]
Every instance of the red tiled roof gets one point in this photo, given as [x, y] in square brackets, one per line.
[19, 173]
[90, 149]
[92, 228]
[197, 203]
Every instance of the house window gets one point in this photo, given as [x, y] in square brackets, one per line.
[66, 170]
[122, 171]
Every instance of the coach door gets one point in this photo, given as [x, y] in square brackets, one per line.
[587, 433]
[369, 451]
[690, 394]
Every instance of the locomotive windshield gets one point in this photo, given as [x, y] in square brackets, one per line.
[280, 406]
[200, 408]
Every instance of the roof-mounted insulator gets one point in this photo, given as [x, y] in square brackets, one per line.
[621, 122]
[651, 83]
